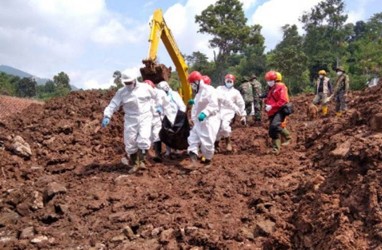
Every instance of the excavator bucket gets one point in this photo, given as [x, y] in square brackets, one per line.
[155, 72]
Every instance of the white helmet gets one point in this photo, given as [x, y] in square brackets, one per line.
[163, 85]
[125, 78]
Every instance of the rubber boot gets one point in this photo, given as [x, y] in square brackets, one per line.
[206, 162]
[286, 136]
[194, 159]
[142, 159]
[217, 146]
[228, 143]
[133, 163]
[324, 110]
[158, 151]
[276, 145]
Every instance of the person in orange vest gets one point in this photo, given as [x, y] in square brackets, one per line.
[323, 91]
[276, 98]
[285, 134]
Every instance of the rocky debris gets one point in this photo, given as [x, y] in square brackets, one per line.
[321, 192]
[27, 233]
[52, 189]
[376, 122]
[20, 147]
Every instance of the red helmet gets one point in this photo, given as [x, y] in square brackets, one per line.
[230, 76]
[206, 80]
[271, 76]
[194, 76]
[149, 82]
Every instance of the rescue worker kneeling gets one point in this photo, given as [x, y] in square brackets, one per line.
[276, 98]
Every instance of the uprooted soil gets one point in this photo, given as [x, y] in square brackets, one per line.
[70, 191]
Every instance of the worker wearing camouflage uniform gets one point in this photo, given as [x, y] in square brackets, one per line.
[341, 88]
[251, 92]
[323, 91]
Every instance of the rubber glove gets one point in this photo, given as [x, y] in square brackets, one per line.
[105, 121]
[268, 107]
[243, 120]
[159, 109]
[201, 117]
[191, 102]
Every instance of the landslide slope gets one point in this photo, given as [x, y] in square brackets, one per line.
[323, 191]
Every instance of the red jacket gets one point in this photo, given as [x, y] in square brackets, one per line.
[277, 97]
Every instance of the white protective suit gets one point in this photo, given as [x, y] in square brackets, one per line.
[174, 99]
[204, 133]
[136, 104]
[230, 102]
[157, 117]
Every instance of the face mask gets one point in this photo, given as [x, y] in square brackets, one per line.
[130, 86]
[339, 73]
[229, 85]
[321, 76]
[195, 86]
[271, 83]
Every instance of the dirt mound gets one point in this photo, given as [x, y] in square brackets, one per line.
[11, 105]
[63, 185]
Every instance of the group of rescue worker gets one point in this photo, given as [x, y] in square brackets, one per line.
[145, 104]
[325, 92]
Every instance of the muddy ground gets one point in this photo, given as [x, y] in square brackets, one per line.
[63, 187]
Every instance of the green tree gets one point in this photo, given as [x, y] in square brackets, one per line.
[252, 59]
[26, 87]
[325, 39]
[62, 80]
[49, 87]
[289, 59]
[365, 46]
[7, 84]
[226, 22]
[199, 62]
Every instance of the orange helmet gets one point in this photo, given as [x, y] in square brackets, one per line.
[271, 76]
[194, 76]
[149, 82]
[206, 80]
[230, 76]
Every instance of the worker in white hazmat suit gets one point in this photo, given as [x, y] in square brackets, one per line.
[157, 111]
[230, 102]
[205, 117]
[135, 98]
[175, 103]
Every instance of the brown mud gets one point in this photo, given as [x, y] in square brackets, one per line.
[70, 191]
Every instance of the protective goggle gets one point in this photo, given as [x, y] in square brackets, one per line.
[128, 83]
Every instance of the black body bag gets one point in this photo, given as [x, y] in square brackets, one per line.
[175, 136]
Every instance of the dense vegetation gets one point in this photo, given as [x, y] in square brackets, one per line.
[27, 86]
[328, 41]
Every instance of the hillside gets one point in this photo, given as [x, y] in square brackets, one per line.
[69, 190]
[16, 72]
[13, 105]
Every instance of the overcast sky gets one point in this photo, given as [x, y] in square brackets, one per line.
[90, 39]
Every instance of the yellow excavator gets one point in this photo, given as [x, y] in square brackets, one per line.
[159, 72]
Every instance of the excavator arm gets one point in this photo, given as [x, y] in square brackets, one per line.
[159, 72]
